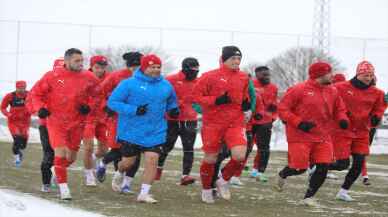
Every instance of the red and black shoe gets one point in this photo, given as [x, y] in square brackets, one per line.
[187, 180]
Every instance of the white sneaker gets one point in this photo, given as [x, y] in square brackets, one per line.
[46, 188]
[64, 191]
[223, 189]
[280, 184]
[146, 198]
[344, 197]
[207, 196]
[235, 181]
[90, 180]
[310, 202]
[116, 181]
[332, 176]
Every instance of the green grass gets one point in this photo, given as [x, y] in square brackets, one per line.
[252, 199]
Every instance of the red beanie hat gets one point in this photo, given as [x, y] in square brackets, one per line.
[59, 63]
[99, 59]
[319, 69]
[365, 67]
[21, 84]
[148, 60]
[339, 77]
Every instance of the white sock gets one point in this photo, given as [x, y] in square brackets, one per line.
[222, 181]
[343, 191]
[89, 172]
[102, 164]
[254, 170]
[118, 174]
[366, 177]
[94, 158]
[207, 191]
[126, 181]
[145, 188]
[17, 157]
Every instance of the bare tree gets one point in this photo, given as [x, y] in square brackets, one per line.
[291, 66]
[114, 55]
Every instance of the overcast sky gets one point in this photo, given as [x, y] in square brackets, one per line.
[359, 18]
[354, 18]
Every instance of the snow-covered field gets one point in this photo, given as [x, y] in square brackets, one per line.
[15, 204]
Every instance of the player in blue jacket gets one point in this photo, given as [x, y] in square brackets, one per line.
[141, 103]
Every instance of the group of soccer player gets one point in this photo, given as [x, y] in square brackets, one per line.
[136, 113]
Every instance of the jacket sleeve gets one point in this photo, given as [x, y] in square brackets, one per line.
[39, 93]
[286, 106]
[94, 99]
[201, 95]
[252, 95]
[4, 105]
[107, 86]
[340, 109]
[117, 103]
[172, 101]
[380, 105]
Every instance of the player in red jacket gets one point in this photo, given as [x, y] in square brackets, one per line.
[132, 60]
[63, 97]
[372, 132]
[184, 125]
[310, 110]
[48, 180]
[365, 107]
[95, 124]
[18, 117]
[223, 97]
[262, 122]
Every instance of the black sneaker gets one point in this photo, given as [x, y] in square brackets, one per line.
[366, 182]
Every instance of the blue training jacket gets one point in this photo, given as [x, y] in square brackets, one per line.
[150, 129]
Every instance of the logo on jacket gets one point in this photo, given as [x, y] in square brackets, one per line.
[350, 92]
[310, 93]
[143, 87]
[223, 79]
[61, 81]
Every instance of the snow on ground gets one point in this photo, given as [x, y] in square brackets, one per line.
[15, 204]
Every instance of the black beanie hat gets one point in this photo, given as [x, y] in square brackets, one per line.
[188, 63]
[229, 51]
[132, 58]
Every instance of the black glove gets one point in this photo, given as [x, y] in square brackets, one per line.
[109, 111]
[223, 99]
[343, 124]
[141, 110]
[258, 116]
[84, 109]
[272, 108]
[43, 113]
[245, 105]
[306, 126]
[173, 113]
[374, 120]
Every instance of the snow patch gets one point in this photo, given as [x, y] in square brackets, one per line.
[15, 204]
